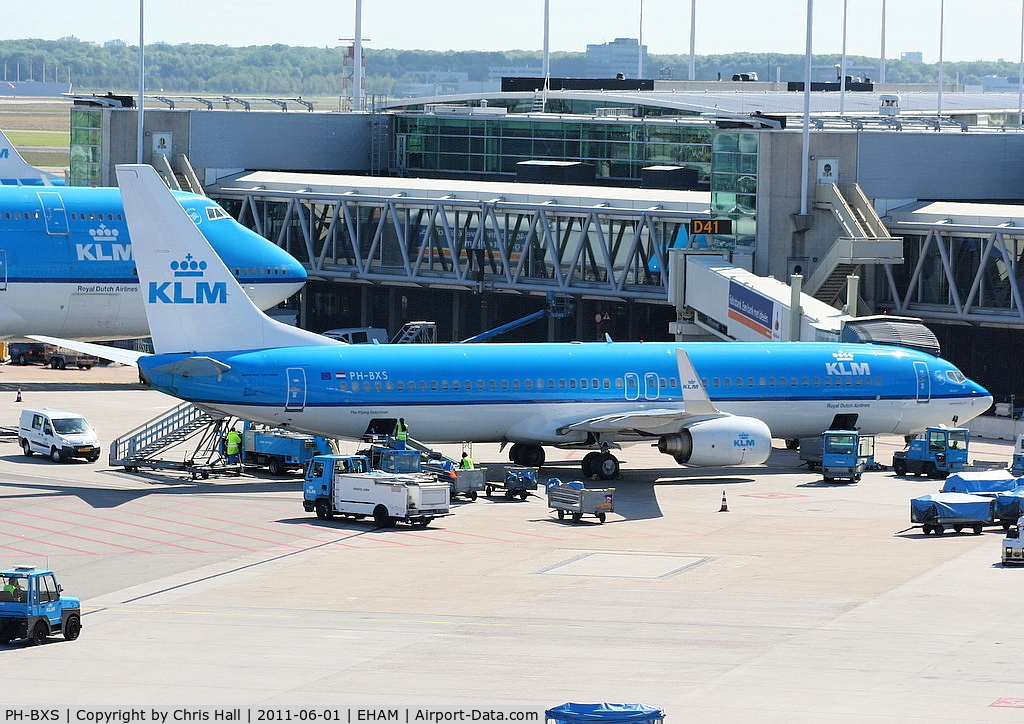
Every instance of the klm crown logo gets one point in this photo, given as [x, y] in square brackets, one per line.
[845, 366]
[189, 267]
[188, 291]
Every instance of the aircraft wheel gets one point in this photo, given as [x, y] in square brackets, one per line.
[513, 453]
[607, 467]
[532, 456]
[589, 461]
[792, 444]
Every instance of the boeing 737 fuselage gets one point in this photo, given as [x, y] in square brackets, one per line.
[710, 404]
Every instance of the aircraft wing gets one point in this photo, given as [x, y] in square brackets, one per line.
[635, 422]
[115, 354]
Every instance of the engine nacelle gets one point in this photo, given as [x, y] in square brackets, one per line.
[720, 441]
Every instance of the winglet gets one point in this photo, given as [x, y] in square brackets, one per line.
[695, 397]
[193, 303]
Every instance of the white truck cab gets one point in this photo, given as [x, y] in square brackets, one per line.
[59, 434]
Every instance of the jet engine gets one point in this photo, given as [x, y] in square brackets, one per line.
[719, 441]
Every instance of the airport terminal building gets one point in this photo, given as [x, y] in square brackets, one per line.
[476, 211]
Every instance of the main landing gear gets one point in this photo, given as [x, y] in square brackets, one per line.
[600, 463]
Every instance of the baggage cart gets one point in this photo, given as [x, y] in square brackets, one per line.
[519, 481]
[467, 482]
[939, 511]
[576, 500]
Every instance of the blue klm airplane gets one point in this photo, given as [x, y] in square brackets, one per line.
[66, 266]
[707, 404]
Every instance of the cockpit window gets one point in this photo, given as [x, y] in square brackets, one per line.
[956, 376]
[216, 212]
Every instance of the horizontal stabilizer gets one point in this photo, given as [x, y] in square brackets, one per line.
[194, 367]
[114, 354]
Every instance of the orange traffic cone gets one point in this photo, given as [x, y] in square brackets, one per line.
[18, 398]
[725, 504]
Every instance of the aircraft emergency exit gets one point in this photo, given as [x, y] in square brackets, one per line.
[704, 404]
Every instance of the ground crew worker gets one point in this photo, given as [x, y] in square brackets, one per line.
[467, 461]
[401, 434]
[12, 588]
[232, 445]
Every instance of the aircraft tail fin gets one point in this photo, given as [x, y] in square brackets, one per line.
[193, 303]
[14, 169]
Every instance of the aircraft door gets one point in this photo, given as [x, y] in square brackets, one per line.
[54, 215]
[924, 382]
[651, 389]
[3, 270]
[296, 400]
[632, 380]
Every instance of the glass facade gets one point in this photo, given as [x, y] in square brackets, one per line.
[86, 146]
[734, 188]
[491, 147]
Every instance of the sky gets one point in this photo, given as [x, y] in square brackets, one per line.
[973, 29]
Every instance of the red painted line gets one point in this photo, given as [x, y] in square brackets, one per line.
[69, 535]
[77, 515]
[220, 531]
[1013, 702]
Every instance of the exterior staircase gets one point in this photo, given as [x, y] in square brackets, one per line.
[143, 446]
[865, 240]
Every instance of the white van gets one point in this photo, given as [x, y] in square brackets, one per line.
[60, 434]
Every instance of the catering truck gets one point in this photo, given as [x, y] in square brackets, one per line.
[345, 485]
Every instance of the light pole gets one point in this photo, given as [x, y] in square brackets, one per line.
[142, 80]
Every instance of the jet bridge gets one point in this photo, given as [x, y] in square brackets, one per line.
[715, 299]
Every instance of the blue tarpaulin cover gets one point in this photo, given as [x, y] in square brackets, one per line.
[1010, 503]
[604, 713]
[980, 481]
[929, 508]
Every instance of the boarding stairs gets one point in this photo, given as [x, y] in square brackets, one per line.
[864, 240]
[184, 438]
[416, 333]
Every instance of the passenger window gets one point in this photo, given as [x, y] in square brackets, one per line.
[750, 382]
[593, 383]
[528, 384]
[727, 381]
[607, 383]
[504, 384]
[782, 382]
[401, 386]
[572, 383]
[583, 383]
[714, 382]
[515, 384]
[807, 382]
[433, 385]
[771, 382]
[703, 381]
[491, 385]
[423, 385]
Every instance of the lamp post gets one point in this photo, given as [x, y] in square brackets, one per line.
[142, 80]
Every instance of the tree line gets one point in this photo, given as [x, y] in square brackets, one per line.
[285, 69]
